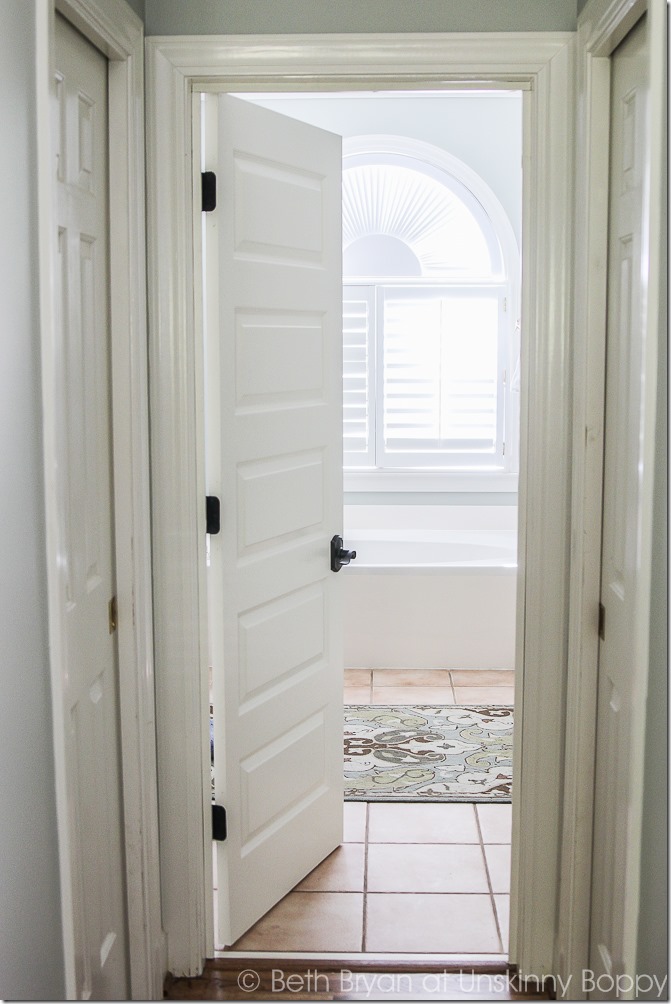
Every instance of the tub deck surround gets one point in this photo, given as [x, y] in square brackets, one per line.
[447, 618]
[432, 587]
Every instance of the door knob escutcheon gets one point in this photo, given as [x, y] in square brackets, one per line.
[339, 555]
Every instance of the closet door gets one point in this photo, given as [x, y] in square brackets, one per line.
[87, 576]
[615, 840]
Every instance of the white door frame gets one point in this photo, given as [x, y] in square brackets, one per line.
[602, 25]
[113, 28]
[541, 65]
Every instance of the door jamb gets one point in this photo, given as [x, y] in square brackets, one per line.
[541, 65]
[113, 28]
[602, 25]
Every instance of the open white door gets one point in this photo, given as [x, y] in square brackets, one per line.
[274, 458]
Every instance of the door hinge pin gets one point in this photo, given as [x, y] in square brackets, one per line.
[219, 831]
[208, 184]
[212, 514]
[602, 622]
[113, 614]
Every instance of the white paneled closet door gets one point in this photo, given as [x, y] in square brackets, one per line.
[91, 690]
[619, 676]
[274, 449]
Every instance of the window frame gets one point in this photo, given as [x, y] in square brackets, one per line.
[374, 469]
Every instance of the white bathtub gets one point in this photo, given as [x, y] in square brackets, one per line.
[440, 597]
[431, 550]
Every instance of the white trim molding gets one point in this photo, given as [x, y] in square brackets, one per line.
[540, 65]
[544, 500]
[113, 28]
[602, 25]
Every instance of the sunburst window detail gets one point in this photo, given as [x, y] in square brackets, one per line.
[406, 206]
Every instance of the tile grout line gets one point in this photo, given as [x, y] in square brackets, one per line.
[390, 892]
[364, 917]
[438, 843]
[489, 880]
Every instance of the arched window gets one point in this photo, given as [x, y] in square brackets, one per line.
[429, 312]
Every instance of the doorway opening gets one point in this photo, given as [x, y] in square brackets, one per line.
[541, 66]
[462, 500]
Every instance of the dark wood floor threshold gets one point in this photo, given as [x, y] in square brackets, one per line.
[362, 961]
[347, 979]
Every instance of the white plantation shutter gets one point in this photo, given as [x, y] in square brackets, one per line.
[423, 365]
[358, 375]
[410, 351]
[440, 403]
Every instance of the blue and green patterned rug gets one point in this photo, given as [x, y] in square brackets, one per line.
[455, 753]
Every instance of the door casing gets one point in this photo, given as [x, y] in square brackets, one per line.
[113, 28]
[539, 64]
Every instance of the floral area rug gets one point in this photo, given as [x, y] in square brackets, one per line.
[459, 753]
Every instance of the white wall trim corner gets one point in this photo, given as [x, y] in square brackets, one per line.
[118, 33]
[602, 25]
[544, 501]
[177, 513]
[541, 66]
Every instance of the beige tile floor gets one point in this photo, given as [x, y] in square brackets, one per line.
[424, 878]
[429, 686]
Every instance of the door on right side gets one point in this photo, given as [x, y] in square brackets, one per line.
[614, 839]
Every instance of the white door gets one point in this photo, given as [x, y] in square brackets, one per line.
[618, 673]
[274, 435]
[87, 561]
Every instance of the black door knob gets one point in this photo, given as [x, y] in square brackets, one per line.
[340, 556]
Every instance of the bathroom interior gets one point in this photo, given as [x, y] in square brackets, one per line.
[430, 500]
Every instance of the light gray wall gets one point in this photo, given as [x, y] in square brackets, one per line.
[236, 17]
[138, 6]
[31, 954]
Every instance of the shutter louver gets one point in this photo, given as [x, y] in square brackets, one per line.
[358, 325]
[440, 376]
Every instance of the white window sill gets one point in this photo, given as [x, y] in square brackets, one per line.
[448, 481]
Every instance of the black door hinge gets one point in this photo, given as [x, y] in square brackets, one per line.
[218, 822]
[212, 514]
[602, 622]
[208, 182]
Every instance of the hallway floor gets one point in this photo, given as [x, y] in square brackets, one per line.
[412, 879]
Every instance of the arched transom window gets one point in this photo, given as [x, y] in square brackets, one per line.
[428, 311]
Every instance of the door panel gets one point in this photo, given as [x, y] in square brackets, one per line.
[87, 565]
[621, 529]
[275, 620]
